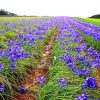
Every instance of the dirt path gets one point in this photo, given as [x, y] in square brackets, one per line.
[30, 83]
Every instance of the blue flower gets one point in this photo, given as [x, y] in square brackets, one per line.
[2, 87]
[83, 96]
[84, 86]
[41, 80]
[84, 71]
[12, 67]
[78, 49]
[90, 82]
[1, 66]
[90, 50]
[83, 46]
[22, 90]
[62, 82]
[68, 59]
[68, 48]
[40, 37]
[7, 29]
[1, 31]
[72, 67]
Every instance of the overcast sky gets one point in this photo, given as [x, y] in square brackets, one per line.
[73, 8]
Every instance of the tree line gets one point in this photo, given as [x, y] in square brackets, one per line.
[6, 13]
[95, 16]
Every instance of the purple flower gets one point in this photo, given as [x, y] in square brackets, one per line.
[1, 66]
[40, 37]
[83, 96]
[80, 59]
[22, 90]
[84, 71]
[1, 31]
[2, 87]
[87, 64]
[90, 82]
[84, 86]
[72, 67]
[41, 80]
[7, 29]
[47, 47]
[90, 50]
[68, 48]
[83, 46]
[94, 65]
[94, 53]
[78, 49]
[62, 82]
[12, 66]
[68, 59]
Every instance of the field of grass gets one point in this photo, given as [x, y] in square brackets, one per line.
[90, 20]
[22, 45]
[17, 18]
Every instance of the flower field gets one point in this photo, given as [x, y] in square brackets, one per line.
[49, 58]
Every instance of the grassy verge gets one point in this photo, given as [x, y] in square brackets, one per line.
[90, 20]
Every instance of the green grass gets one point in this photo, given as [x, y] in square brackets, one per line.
[17, 18]
[90, 20]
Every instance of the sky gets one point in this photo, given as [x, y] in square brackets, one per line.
[72, 8]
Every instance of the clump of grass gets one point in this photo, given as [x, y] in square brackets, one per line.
[90, 20]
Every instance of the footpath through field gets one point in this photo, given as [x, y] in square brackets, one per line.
[41, 71]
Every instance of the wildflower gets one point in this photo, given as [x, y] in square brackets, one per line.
[40, 37]
[62, 58]
[83, 46]
[90, 82]
[83, 96]
[2, 87]
[22, 90]
[1, 66]
[1, 31]
[41, 80]
[7, 29]
[90, 50]
[62, 82]
[68, 48]
[84, 86]
[55, 57]
[72, 67]
[68, 59]
[12, 66]
[78, 49]
[84, 71]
